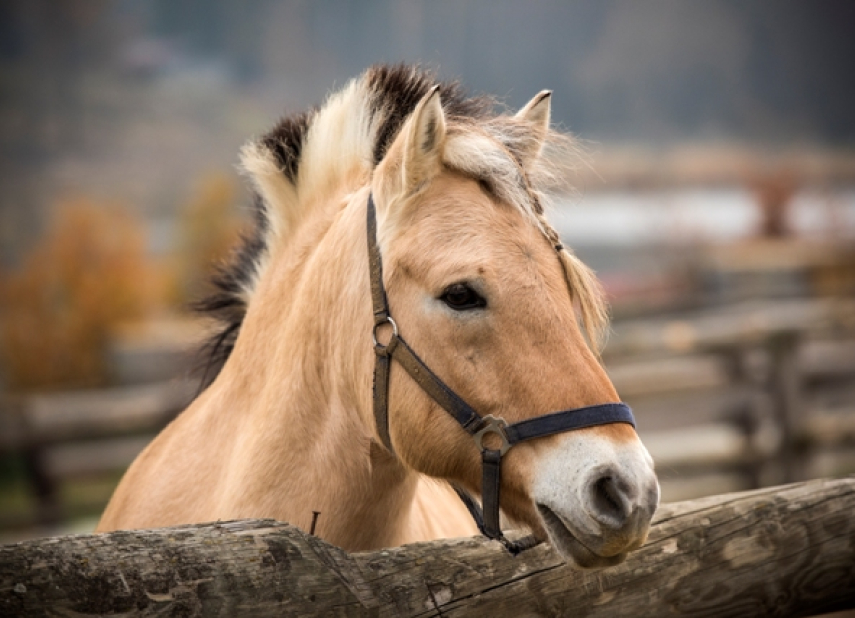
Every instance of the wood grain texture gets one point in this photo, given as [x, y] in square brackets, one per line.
[782, 551]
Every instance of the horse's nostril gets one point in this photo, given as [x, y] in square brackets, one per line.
[610, 502]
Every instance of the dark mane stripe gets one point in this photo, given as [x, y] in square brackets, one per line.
[395, 92]
[286, 141]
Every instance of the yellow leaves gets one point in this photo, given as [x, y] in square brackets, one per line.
[86, 274]
[91, 271]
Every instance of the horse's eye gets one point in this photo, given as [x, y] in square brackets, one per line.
[461, 297]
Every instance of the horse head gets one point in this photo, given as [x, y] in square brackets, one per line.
[482, 290]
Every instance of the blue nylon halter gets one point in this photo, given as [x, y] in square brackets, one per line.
[473, 423]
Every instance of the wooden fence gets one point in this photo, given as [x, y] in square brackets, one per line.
[783, 551]
[66, 436]
[743, 396]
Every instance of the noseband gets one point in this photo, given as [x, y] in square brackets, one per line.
[473, 423]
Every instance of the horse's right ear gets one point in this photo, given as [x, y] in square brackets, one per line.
[536, 112]
[415, 157]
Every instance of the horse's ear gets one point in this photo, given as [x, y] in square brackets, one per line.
[536, 112]
[425, 137]
[415, 156]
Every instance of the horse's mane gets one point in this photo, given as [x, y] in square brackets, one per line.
[307, 153]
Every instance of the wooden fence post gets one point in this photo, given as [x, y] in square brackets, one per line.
[788, 400]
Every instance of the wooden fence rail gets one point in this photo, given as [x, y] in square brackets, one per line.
[66, 435]
[782, 551]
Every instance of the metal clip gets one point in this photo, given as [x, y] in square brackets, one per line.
[380, 348]
[491, 424]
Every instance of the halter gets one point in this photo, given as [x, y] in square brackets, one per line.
[473, 423]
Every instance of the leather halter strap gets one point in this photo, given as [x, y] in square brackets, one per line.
[473, 423]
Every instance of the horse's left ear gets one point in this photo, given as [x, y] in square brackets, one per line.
[536, 112]
[425, 138]
[415, 156]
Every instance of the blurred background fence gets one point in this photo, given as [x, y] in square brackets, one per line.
[715, 198]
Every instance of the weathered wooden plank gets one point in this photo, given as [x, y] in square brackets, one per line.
[60, 417]
[252, 567]
[678, 485]
[690, 408]
[822, 359]
[92, 457]
[826, 429]
[749, 322]
[646, 376]
[706, 445]
[785, 551]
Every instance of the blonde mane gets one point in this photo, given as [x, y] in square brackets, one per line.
[309, 156]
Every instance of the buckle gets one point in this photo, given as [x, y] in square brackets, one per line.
[491, 424]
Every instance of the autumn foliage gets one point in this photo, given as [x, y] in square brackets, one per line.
[91, 272]
[86, 274]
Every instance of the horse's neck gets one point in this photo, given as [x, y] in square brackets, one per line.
[300, 377]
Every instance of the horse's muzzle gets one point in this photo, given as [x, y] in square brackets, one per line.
[596, 522]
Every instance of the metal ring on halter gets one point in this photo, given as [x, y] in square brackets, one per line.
[491, 424]
[381, 348]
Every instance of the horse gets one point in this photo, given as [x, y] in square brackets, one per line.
[505, 320]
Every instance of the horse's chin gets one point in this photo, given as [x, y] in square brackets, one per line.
[570, 547]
